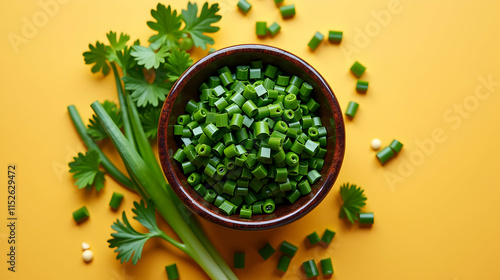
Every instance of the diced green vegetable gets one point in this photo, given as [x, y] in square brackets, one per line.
[361, 86]
[352, 108]
[172, 272]
[261, 29]
[244, 6]
[315, 41]
[358, 69]
[310, 268]
[266, 251]
[366, 218]
[239, 260]
[116, 200]
[287, 11]
[335, 36]
[326, 266]
[81, 214]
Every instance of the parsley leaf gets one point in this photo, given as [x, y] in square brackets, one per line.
[95, 128]
[177, 63]
[98, 54]
[196, 26]
[148, 57]
[127, 240]
[353, 198]
[149, 120]
[86, 169]
[145, 93]
[168, 25]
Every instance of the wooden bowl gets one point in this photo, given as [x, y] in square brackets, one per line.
[186, 88]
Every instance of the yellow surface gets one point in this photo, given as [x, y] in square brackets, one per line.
[436, 204]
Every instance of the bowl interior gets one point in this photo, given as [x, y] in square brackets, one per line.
[186, 88]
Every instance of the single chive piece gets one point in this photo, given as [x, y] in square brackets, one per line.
[249, 108]
[116, 200]
[244, 6]
[313, 176]
[210, 196]
[352, 108]
[361, 86]
[315, 41]
[242, 72]
[227, 207]
[335, 36]
[311, 147]
[288, 248]
[326, 266]
[260, 30]
[81, 215]
[245, 212]
[172, 272]
[291, 159]
[313, 238]
[284, 262]
[385, 155]
[327, 237]
[287, 11]
[179, 155]
[274, 29]
[396, 146]
[239, 260]
[266, 251]
[278, 2]
[269, 206]
[358, 69]
[310, 268]
[304, 187]
[200, 189]
[366, 218]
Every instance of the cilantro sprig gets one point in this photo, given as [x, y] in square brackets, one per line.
[86, 170]
[354, 199]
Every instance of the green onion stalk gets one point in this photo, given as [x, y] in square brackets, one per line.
[146, 178]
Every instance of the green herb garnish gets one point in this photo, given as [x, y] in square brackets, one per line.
[353, 198]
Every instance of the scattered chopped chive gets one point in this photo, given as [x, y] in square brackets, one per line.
[352, 108]
[313, 238]
[261, 29]
[385, 155]
[335, 36]
[357, 69]
[366, 218]
[172, 272]
[310, 268]
[266, 251]
[313, 176]
[315, 41]
[116, 200]
[268, 206]
[361, 86]
[284, 262]
[288, 248]
[326, 266]
[81, 215]
[396, 146]
[277, 2]
[287, 11]
[327, 237]
[274, 29]
[244, 6]
[239, 260]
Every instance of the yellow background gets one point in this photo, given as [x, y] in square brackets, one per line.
[436, 204]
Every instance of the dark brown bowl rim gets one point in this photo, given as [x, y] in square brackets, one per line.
[226, 221]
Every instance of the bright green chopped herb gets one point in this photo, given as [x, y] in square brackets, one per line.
[353, 198]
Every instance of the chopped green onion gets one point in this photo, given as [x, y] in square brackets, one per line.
[287, 11]
[358, 69]
[288, 248]
[361, 86]
[274, 29]
[366, 218]
[396, 146]
[352, 108]
[172, 272]
[261, 29]
[116, 200]
[244, 6]
[313, 238]
[268, 206]
[315, 41]
[326, 266]
[239, 260]
[310, 269]
[385, 155]
[81, 215]
[266, 251]
[284, 262]
[327, 237]
[335, 36]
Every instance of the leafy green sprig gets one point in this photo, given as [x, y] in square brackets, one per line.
[353, 200]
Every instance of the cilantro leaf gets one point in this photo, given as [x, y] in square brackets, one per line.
[119, 44]
[149, 119]
[168, 25]
[129, 242]
[86, 169]
[145, 93]
[98, 55]
[353, 198]
[95, 128]
[148, 57]
[196, 26]
[177, 63]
